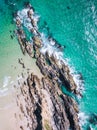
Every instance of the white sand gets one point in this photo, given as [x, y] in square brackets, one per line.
[8, 106]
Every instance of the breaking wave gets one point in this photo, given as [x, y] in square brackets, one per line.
[49, 45]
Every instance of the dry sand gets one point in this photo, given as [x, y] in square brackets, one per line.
[8, 106]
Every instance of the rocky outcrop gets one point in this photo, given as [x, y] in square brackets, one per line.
[45, 107]
[25, 45]
[49, 66]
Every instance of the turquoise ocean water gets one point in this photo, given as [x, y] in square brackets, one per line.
[72, 23]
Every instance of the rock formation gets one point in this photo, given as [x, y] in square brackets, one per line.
[45, 107]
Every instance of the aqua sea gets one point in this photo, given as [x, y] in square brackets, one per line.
[72, 23]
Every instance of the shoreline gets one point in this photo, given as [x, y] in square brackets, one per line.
[40, 91]
[8, 105]
[49, 63]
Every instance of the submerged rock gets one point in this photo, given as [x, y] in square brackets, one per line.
[44, 106]
[54, 70]
[93, 119]
[27, 4]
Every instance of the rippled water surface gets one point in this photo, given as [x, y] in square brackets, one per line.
[72, 23]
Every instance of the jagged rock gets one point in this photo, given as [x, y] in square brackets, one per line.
[37, 41]
[18, 22]
[67, 78]
[30, 13]
[33, 23]
[24, 44]
[46, 106]
[71, 110]
[29, 49]
[54, 70]
[20, 32]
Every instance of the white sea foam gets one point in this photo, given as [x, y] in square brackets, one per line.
[76, 76]
[78, 81]
[36, 17]
[52, 42]
[25, 20]
[52, 50]
[22, 14]
[82, 118]
[6, 81]
[91, 128]
[5, 87]
[3, 91]
[49, 46]
[27, 23]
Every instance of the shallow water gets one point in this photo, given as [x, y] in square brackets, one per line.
[71, 23]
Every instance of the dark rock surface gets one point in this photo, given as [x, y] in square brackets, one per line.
[54, 71]
[46, 106]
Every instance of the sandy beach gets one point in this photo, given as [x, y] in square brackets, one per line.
[9, 111]
[8, 108]
[34, 100]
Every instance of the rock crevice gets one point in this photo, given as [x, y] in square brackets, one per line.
[44, 106]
